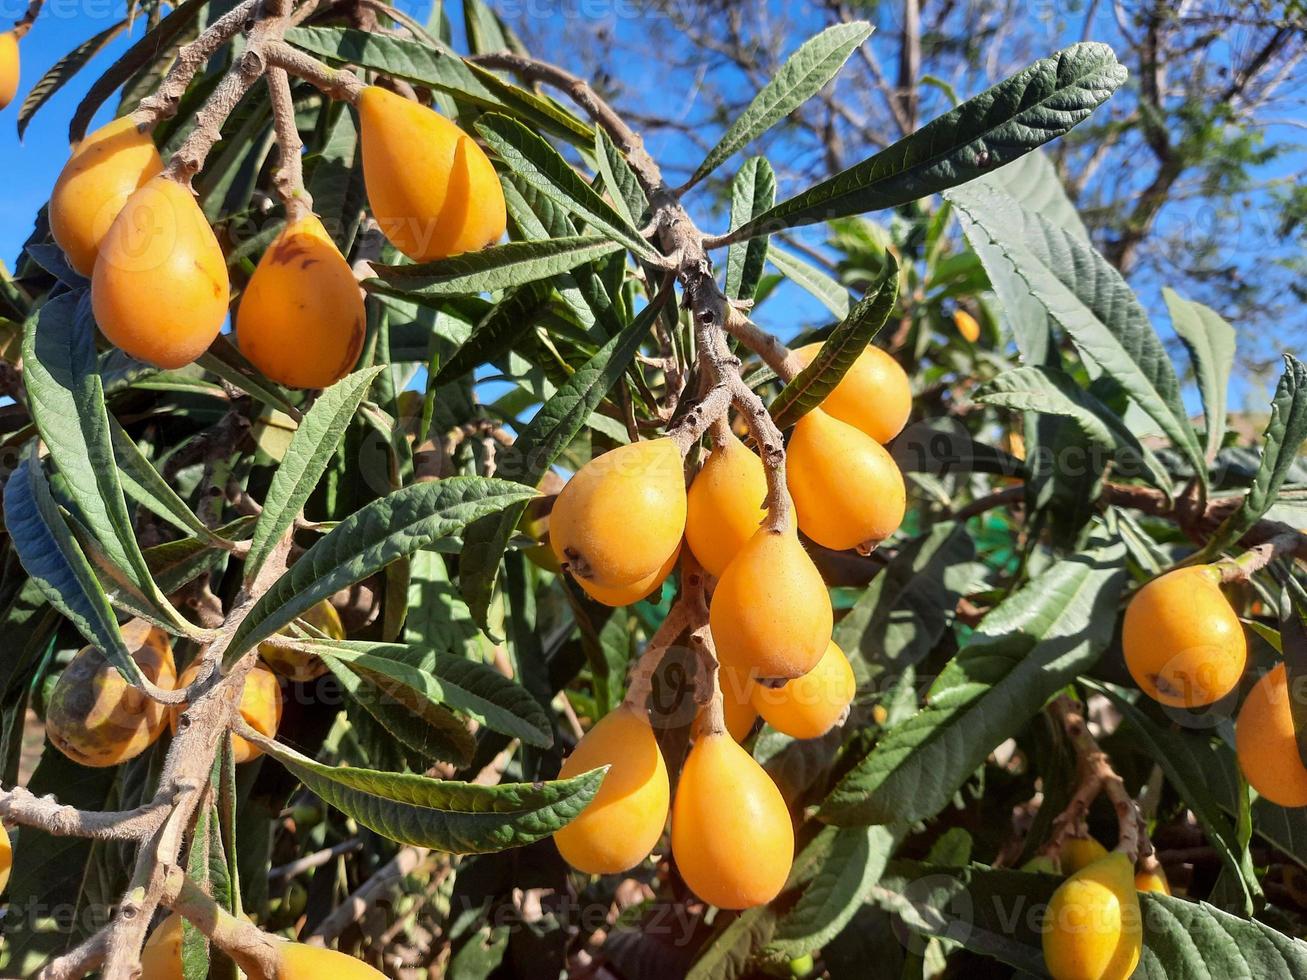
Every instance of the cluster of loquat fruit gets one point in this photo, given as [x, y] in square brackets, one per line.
[159, 284]
[95, 718]
[618, 527]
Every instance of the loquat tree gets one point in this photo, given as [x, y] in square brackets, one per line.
[421, 557]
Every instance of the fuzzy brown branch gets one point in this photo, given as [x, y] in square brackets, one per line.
[248, 946]
[79, 961]
[289, 179]
[24, 23]
[20, 806]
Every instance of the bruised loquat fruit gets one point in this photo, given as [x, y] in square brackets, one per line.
[622, 824]
[301, 320]
[106, 168]
[9, 62]
[848, 491]
[1265, 743]
[625, 595]
[731, 832]
[811, 705]
[432, 189]
[725, 504]
[621, 517]
[1093, 929]
[771, 614]
[95, 717]
[1080, 852]
[295, 665]
[6, 857]
[874, 395]
[1183, 643]
[1153, 881]
[160, 287]
[260, 707]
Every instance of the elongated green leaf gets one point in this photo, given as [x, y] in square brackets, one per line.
[57, 564]
[847, 341]
[1195, 941]
[66, 397]
[730, 949]
[310, 449]
[753, 191]
[1052, 392]
[461, 818]
[468, 686]
[155, 41]
[832, 294]
[437, 67]
[1285, 433]
[1030, 645]
[803, 75]
[1210, 341]
[856, 859]
[1191, 780]
[370, 539]
[529, 156]
[62, 72]
[497, 267]
[144, 484]
[498, 332]
[423, 725]
[1090, 300]
[624, 187]
[223, 359]
[541, 442]
[1038, 104]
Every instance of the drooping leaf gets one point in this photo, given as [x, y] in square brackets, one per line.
[727, 953]
[473, 688]
[803, 75]
[1030, 645]
[1210, 341]
[1038, 104]
[1284, 436]
[368, 540]
[1091, 301]
[624, 187]
[497, 267]
[457, 817]
[832, 294]
[144, 484]
[1186, 940]
[62, 72]
[847, 341]
[66, 397]
[541, 442]
[306, 458]
[1052, 392]
[57, 564]
[857, 857]
[528, 155]
[223, 359]
[753, 191]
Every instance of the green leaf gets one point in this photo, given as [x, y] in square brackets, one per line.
[809, 387]
[306, 458]
[460, 818]
[368, 540]
[753, 191]
[56, 563]
[144, 484]
[1028, 647]
[1284, 436]
[529, 156]
[497, 267]
[1186, 940]
[1091, 301]
[1210, 341]
[803, 75]
[439, 68]
[158, 38]
[1190, 778]
[223, 359]
[62, 72]
[1050, 391]
[544, 438]
[66, 398]
[857, 857]
[832, 294]
[473, 688]
[498, 332]
[729, 951]
[624, 187]
[1038, 104]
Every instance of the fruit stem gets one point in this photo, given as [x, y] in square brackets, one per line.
[1258, 557]
[640, 684]
[20, 806]
[711, 720]
[249, 947]
[289, 178]
[25, 22]
[1096, 775]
